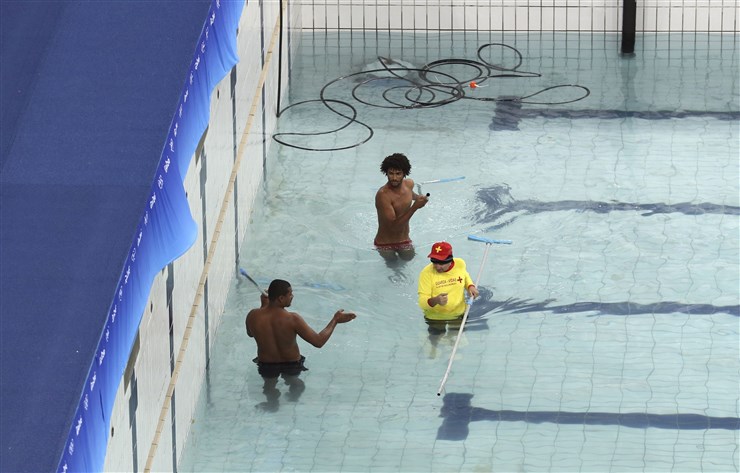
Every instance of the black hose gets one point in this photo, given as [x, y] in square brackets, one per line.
[428, 88]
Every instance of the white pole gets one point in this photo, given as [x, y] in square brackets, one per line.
[467, 309]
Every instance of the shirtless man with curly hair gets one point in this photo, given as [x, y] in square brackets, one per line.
[396, 202]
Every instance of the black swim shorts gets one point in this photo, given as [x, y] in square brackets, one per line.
[273, 370]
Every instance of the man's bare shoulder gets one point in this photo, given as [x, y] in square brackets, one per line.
[255, 311]
[277, 313]
[383, 195]
[260, 313]
[293, 315]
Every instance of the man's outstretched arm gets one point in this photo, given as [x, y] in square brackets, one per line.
[319, 339]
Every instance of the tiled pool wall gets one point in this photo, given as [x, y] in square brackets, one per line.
[224, 176]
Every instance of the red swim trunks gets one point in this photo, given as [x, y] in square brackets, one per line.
[400, 246]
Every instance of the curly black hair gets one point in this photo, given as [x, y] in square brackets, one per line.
[396, 161]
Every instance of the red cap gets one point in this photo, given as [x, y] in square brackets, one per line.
[441, 251]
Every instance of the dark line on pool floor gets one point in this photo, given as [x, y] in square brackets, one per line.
[499, 204]
[509, 114]
[458, 413]
[485, 304]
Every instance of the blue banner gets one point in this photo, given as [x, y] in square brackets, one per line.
[165, 232]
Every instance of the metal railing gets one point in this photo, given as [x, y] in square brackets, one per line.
[721, 16]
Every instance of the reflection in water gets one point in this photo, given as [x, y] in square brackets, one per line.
[395, 260]
[501, 209]
[296, 386]
[458, 412]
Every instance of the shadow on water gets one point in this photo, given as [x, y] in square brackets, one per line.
[458, 413]
[296, 386]
[501, 209]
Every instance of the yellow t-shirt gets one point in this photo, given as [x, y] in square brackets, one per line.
[454, 282]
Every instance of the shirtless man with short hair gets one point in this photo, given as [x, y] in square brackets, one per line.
[275, 330]
[396, 202]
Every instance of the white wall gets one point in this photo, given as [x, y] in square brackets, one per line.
[202, 276]
[520, 15]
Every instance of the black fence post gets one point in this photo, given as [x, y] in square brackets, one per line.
[629, 23]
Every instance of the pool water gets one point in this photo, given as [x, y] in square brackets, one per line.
[606, 336]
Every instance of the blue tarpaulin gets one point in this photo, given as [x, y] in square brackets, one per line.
[103, 104]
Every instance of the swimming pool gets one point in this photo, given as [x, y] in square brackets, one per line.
[606, 337]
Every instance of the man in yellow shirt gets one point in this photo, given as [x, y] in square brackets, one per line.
[442, 287]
